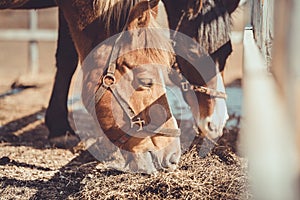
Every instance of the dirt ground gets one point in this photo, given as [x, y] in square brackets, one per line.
[31, 169]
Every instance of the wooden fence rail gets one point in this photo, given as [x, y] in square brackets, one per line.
[32, 35]
[269, 134]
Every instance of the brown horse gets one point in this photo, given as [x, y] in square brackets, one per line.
[129, 82]
[130, 85]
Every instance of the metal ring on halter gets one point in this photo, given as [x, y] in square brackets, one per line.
[138, 122]
[108, 80]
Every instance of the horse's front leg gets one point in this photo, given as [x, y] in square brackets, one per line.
[57, 112]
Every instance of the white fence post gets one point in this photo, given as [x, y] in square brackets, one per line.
[262, 20]
[293, 81]
[33, 44]
[268, 135]
[266, 130]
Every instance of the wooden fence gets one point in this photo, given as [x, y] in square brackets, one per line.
[32, 35]
[271, 87]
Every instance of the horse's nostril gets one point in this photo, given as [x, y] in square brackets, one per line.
[170, 164]
[174, 159]
[211, 127]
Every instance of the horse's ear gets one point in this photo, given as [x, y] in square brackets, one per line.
[139, 16]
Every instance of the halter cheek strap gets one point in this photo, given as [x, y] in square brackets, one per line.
[186, 86]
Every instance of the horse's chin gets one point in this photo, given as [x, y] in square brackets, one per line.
[151, 162]
[151, 155]
[212, 126]
[140, 163]
[214, 134]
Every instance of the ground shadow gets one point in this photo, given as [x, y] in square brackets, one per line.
[26, 131]
[68, 179]
[64, 183]
[31, 131]
[7, 161]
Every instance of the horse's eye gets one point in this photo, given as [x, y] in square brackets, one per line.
[145, 82]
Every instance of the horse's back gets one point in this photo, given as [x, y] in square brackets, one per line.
[26, 4]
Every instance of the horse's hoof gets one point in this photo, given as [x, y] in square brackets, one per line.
[66, 141]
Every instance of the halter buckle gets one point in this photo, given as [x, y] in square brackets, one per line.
[138, 122]
[185, 86]
[204, 90]
[108, 80]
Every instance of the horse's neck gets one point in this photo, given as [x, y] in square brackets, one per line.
[174, 9]
[231, 5]
[110, 12]
[96, 21]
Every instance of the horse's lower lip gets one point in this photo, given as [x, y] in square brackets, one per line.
[168, 169]
[164, 165]
[214, 134]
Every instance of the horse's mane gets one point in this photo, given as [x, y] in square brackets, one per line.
[112, 12]
[153, 41]
[115, 12]
[156, 44]
[214, 24]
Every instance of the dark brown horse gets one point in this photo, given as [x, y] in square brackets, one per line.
[208, 23]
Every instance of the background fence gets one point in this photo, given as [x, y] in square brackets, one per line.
[33, 34]
[262, 20]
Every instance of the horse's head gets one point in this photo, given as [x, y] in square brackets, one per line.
[204, 90]
[202, 86]
[130, 99]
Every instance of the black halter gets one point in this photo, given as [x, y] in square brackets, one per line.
[185, 84]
